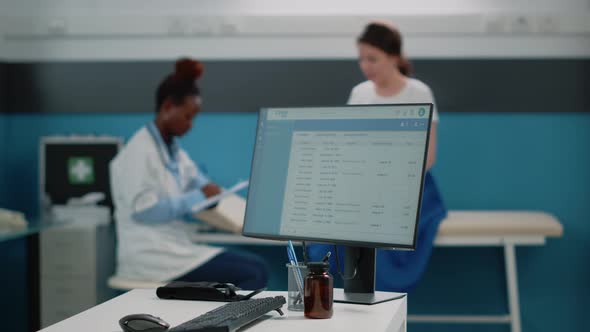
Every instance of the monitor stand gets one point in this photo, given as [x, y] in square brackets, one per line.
[361, 288]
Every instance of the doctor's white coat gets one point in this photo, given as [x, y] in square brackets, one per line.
[152, 252]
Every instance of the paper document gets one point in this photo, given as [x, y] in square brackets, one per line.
[215, 199]
[228, 214]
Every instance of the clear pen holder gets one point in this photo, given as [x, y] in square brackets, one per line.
[295, 278]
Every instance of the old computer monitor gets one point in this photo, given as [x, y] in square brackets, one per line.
[349, 175]
[73, 166]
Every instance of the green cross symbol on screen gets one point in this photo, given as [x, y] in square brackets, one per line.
[81, 170]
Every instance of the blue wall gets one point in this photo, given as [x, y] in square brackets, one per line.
[486, 161]
[516, 161]
[13, 254]
[3, 153]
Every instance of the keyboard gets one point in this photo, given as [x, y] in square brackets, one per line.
[232, 316]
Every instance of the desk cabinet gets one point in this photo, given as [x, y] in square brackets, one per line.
[75, 262]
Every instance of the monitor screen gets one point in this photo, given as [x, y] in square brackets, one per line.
[349, 174]
[73, 167]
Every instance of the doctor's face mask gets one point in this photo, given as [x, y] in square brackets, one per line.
[182, 115]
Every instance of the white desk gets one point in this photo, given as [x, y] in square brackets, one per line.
[387, 316]
[506, 229]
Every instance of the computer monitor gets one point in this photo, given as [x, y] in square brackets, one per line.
[73, 166]
[350, 175]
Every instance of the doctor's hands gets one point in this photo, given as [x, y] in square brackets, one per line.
[211, 189]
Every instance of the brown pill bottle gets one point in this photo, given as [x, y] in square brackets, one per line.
[318, 291]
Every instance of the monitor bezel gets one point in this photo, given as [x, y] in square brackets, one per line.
[342, 241]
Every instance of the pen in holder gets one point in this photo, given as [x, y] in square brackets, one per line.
[295, 286]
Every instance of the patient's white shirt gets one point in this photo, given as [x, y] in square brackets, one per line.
[414, 91]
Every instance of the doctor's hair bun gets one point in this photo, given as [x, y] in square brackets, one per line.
[181, 83]
[188, 69]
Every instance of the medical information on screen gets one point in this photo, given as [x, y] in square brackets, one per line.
[353, 185]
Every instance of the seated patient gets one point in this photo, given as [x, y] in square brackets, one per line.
[389, 81]
[154, 185]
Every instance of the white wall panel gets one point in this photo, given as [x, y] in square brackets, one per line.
[34, 30]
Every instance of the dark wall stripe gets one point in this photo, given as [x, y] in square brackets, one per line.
[237, 86]
[509, 85]
[3, 87]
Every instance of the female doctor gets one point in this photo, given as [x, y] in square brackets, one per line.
[388, 82]
[155, 184]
